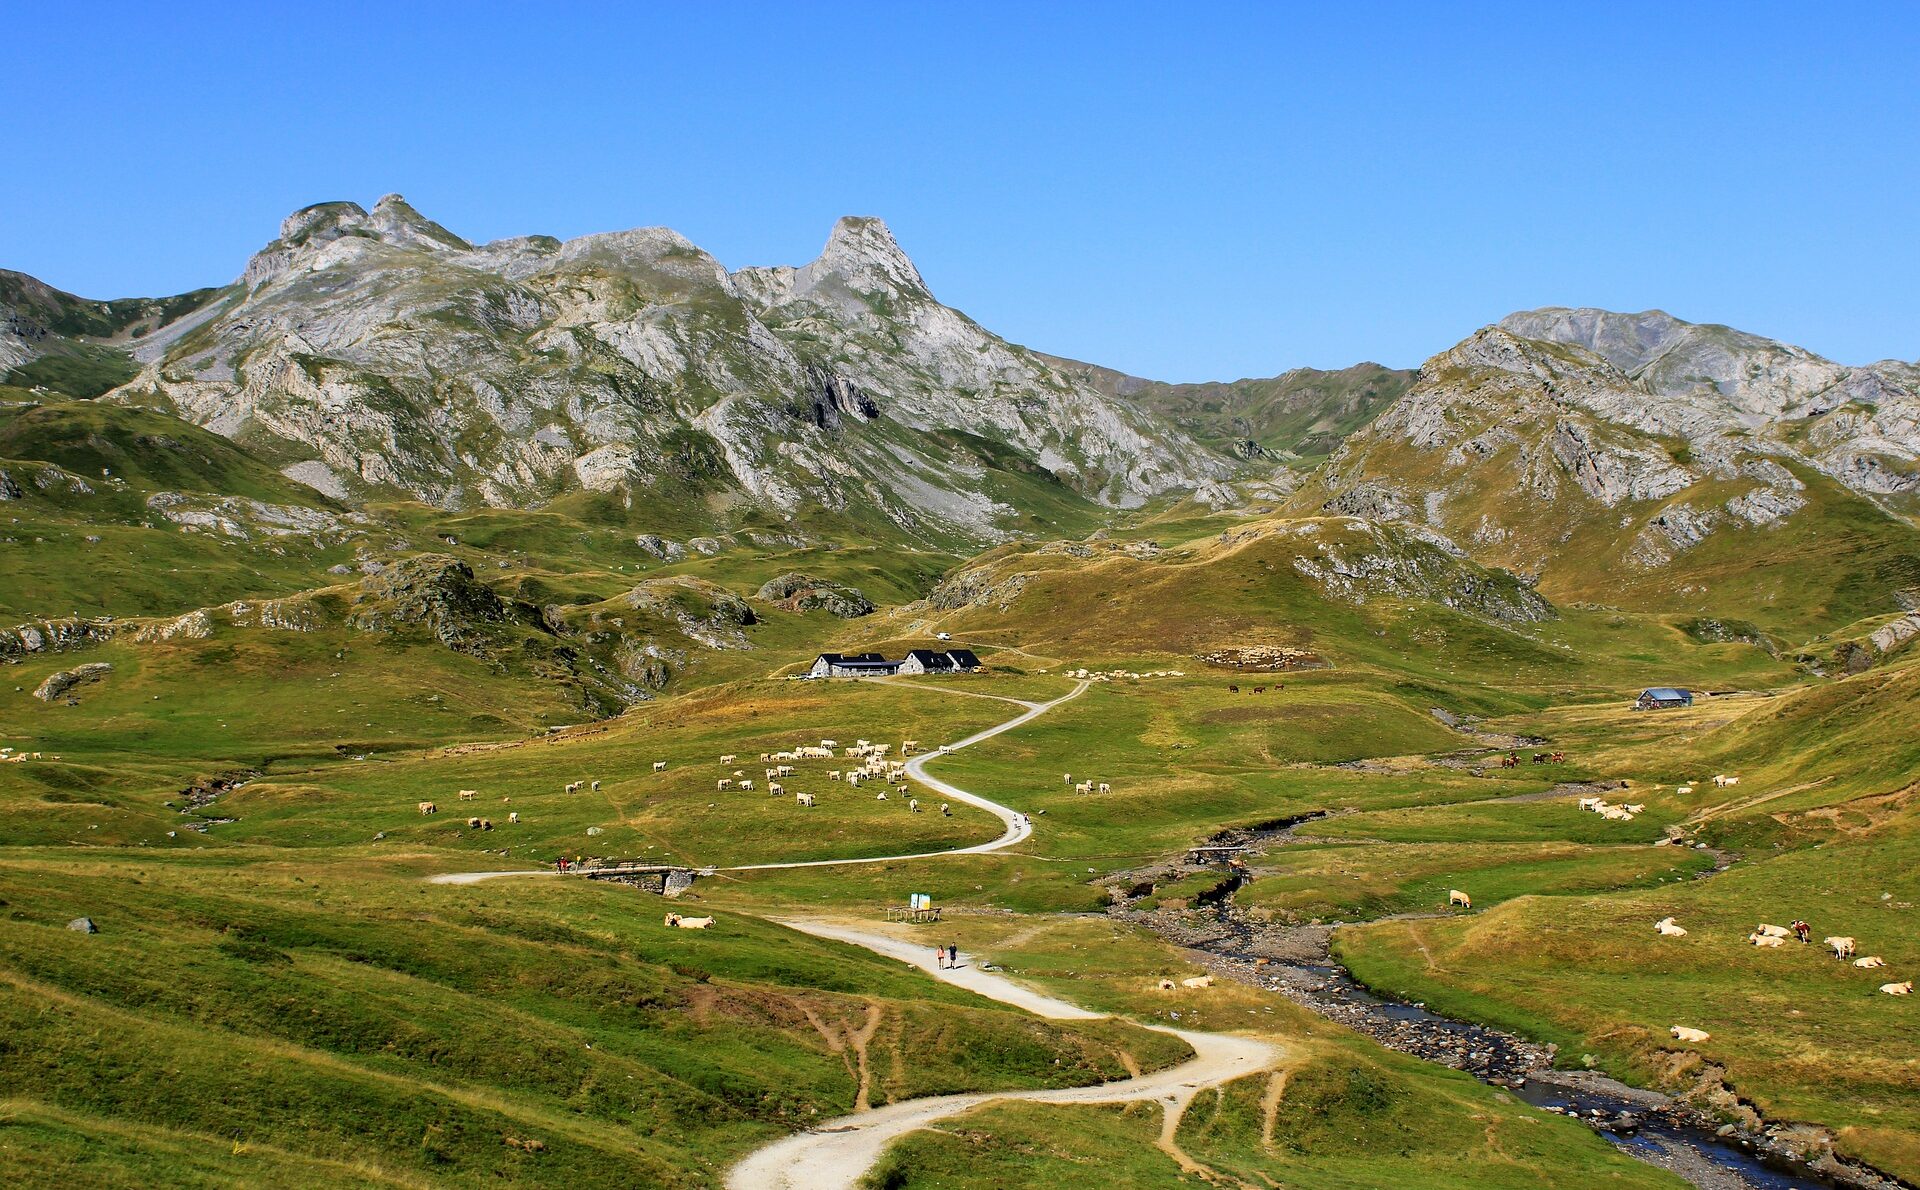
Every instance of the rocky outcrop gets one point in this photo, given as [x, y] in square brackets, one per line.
[1361, 560]
[978, 587]
[702, 611]
[660, 547]
[803, 593]
[61, 683]
[438, 592]
[237, 516]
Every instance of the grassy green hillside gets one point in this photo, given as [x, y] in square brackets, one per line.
[235, 804]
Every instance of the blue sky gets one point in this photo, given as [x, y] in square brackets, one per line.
[1180, 191]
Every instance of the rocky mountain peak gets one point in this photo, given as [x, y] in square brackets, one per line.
[1743, 377]
[332, 232]
[862, 255]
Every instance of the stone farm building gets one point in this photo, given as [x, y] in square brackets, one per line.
[1660, 697]
[873, 665]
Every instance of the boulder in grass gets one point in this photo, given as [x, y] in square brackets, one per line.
[84, 925]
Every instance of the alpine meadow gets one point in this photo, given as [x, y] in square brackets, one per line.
[567, 711]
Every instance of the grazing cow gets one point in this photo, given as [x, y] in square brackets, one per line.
[913, 804]
[944, 812]
[1724, 781]
[728, 758]
[725, 784]
[1456, 897]
[1259, 689]
[1084, 787]
[1842, 947]
[429, 808]
[467, 795]
[659, 766]
[574, 786]
[473, 824]
[1233, 690]
[486, 824]
[596, 787]
[803, 799]
[514, 818]
[833, 774]
[1897, 989]
[1773, 931]
[775, 789]
[1105, 788]
[1870, 962]
[1591, 803]
[1198, 981]
[688, 923]
[747, 784]
[1690, 1036]
[1766, 941]
[908, 747]
[1166, 985]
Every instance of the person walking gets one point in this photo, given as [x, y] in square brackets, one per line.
[953, 955]
[940, 957]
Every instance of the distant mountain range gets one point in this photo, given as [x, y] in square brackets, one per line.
[378, 355]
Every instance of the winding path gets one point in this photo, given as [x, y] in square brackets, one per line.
[839, 1152]
[1017, 826]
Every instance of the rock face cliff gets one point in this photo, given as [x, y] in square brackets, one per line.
[376, 352]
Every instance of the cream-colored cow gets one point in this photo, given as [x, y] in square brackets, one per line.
[1690, 1036]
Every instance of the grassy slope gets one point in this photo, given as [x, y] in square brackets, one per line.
[271, 1018]
[1185, 756]
[1823, 813]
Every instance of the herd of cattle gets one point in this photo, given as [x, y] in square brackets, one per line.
[876, 764]
[1770, 937]
[1115, 675]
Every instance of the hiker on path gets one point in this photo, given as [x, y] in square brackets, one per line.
[953, 955]
[940, 957]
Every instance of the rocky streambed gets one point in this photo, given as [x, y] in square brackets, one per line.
[1694, 1142]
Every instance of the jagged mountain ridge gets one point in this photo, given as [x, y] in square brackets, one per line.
[377, 352]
